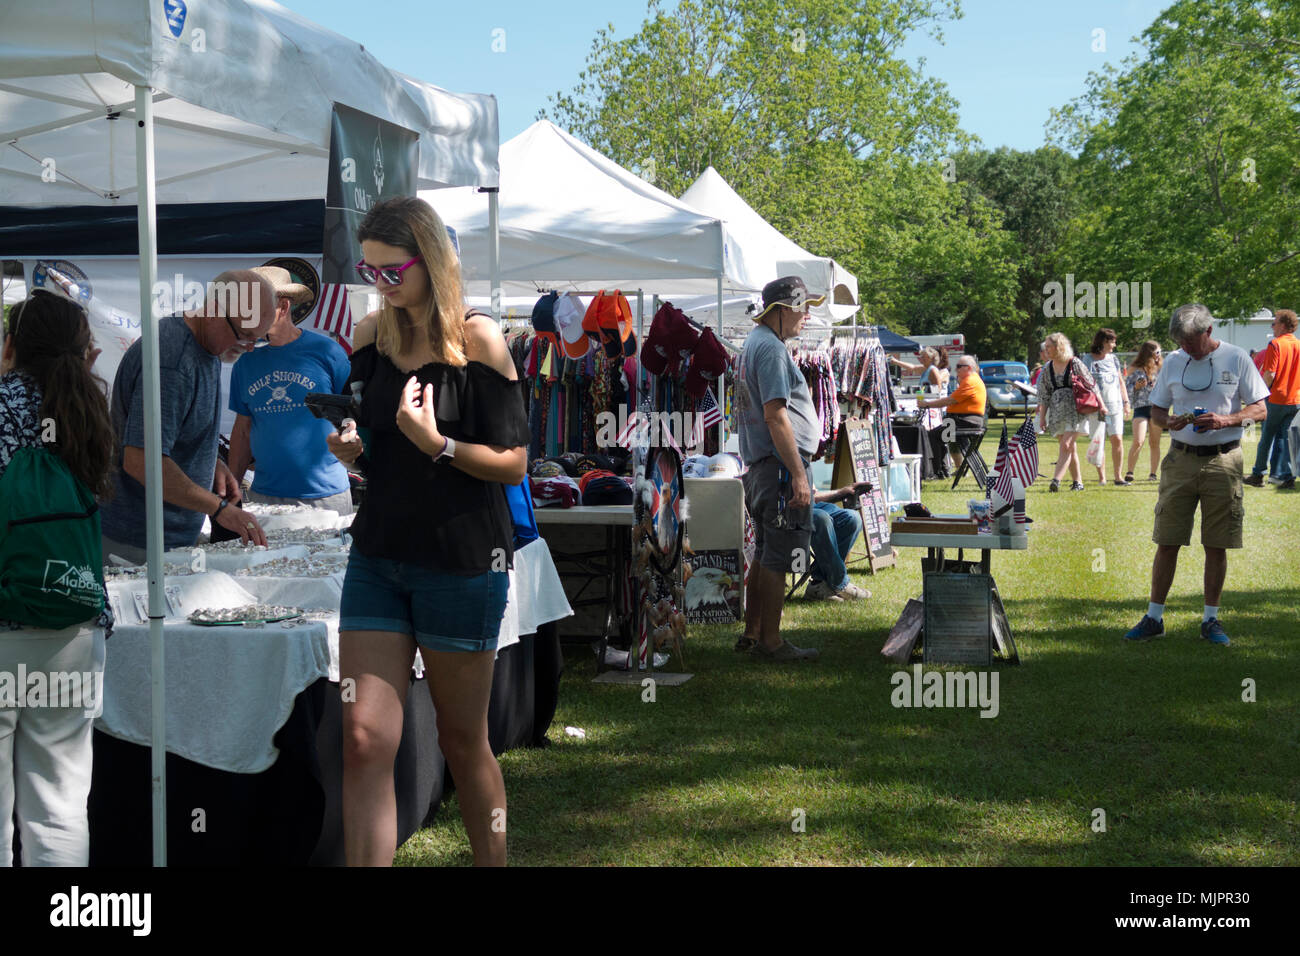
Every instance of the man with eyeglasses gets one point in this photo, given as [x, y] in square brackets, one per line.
[966, 405]
[238, 310]
[274, 430]
[1204, 393]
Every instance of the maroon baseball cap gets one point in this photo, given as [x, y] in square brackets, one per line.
[708, 362]
[670, 339]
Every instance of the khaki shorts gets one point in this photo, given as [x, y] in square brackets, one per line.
[1215, 483]
[782, 534]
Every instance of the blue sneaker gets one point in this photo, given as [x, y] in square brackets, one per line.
[1146, 629]
[1213, 632]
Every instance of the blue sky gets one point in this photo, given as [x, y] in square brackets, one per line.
[1007, 62]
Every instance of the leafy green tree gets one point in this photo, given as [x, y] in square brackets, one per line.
[1034, 193]
[1188, 161]
[808, 110]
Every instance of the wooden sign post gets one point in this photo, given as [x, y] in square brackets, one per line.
[855, 461]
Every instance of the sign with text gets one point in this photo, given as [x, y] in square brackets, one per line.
[713, 593]
[855, 461]
[370, 159]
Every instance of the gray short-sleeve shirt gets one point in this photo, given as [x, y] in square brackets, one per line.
[191, 416]
[768, 372]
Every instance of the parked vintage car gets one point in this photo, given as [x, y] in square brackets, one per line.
[1003, 397]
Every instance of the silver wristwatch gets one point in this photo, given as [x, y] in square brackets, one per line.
[448, 451]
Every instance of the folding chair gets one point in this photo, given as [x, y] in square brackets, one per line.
[971, 459]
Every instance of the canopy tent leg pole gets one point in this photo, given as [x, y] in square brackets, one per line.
[639, 386]
[146, 217]
[722, 379]
[494, 250]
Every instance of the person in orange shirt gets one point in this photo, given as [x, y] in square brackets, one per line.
[965, 407]
[1281, 372]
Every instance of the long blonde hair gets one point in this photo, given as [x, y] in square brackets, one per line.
[412, 225]
[1064, 350]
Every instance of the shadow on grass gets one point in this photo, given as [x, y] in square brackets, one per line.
[1156, 734]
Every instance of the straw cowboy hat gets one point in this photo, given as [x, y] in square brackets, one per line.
[284, 285]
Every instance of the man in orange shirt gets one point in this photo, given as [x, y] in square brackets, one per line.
[965, 407]
[1281, 372]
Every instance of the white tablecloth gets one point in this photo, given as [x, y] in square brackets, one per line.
[229, 689]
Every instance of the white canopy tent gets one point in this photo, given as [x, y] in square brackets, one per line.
[127, 103]
[767, 254]
[573, 219]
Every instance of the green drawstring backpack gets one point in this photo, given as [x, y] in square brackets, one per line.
[51, 555]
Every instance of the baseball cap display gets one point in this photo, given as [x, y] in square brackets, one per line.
[708, 362]
[594, 462]
[562, 492]
[544, 315]
[609, 313]
[568, 315]
[544, 468]
[670, 339]
[604, 488]
[788, 290]
[722, 465]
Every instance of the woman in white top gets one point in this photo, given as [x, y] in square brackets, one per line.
[934, 373]
[1109, 376]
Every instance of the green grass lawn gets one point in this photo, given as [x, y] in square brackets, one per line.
[1156, 734]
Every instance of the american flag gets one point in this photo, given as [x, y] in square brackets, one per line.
[627, 437]
[707, 414]
[1022, 454]
[1002, 485]
[332, 313]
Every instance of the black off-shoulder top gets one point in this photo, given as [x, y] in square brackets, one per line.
[431, 514]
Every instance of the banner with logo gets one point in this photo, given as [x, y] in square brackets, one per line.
[370, 160]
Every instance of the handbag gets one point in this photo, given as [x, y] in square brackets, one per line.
[1086, 400]
[1096, 452]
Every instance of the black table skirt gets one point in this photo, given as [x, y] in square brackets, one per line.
[291, 814]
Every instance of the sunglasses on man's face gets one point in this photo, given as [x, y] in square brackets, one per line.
[392, 275]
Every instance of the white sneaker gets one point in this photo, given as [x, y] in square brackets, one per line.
[851, 592]
[1273, 480]
[818, 591]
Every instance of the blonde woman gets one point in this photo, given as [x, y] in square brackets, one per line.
[1141, 378]
[442, 429]
[934, 373]
[1057, 413]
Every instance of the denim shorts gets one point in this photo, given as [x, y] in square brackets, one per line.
[443, 612]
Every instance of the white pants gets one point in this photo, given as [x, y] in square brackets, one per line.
[45, 751]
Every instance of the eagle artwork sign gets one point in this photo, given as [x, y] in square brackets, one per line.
[713, 591]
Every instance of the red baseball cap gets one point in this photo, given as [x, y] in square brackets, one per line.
[671, 338]
[708, 362]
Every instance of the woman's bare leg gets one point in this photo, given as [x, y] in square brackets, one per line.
[375, 667]
[1139, 439]
[461, 685]
[1117, 455]
[1064, 449]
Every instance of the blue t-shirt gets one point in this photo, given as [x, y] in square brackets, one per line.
[269, 385]
[190, 378]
